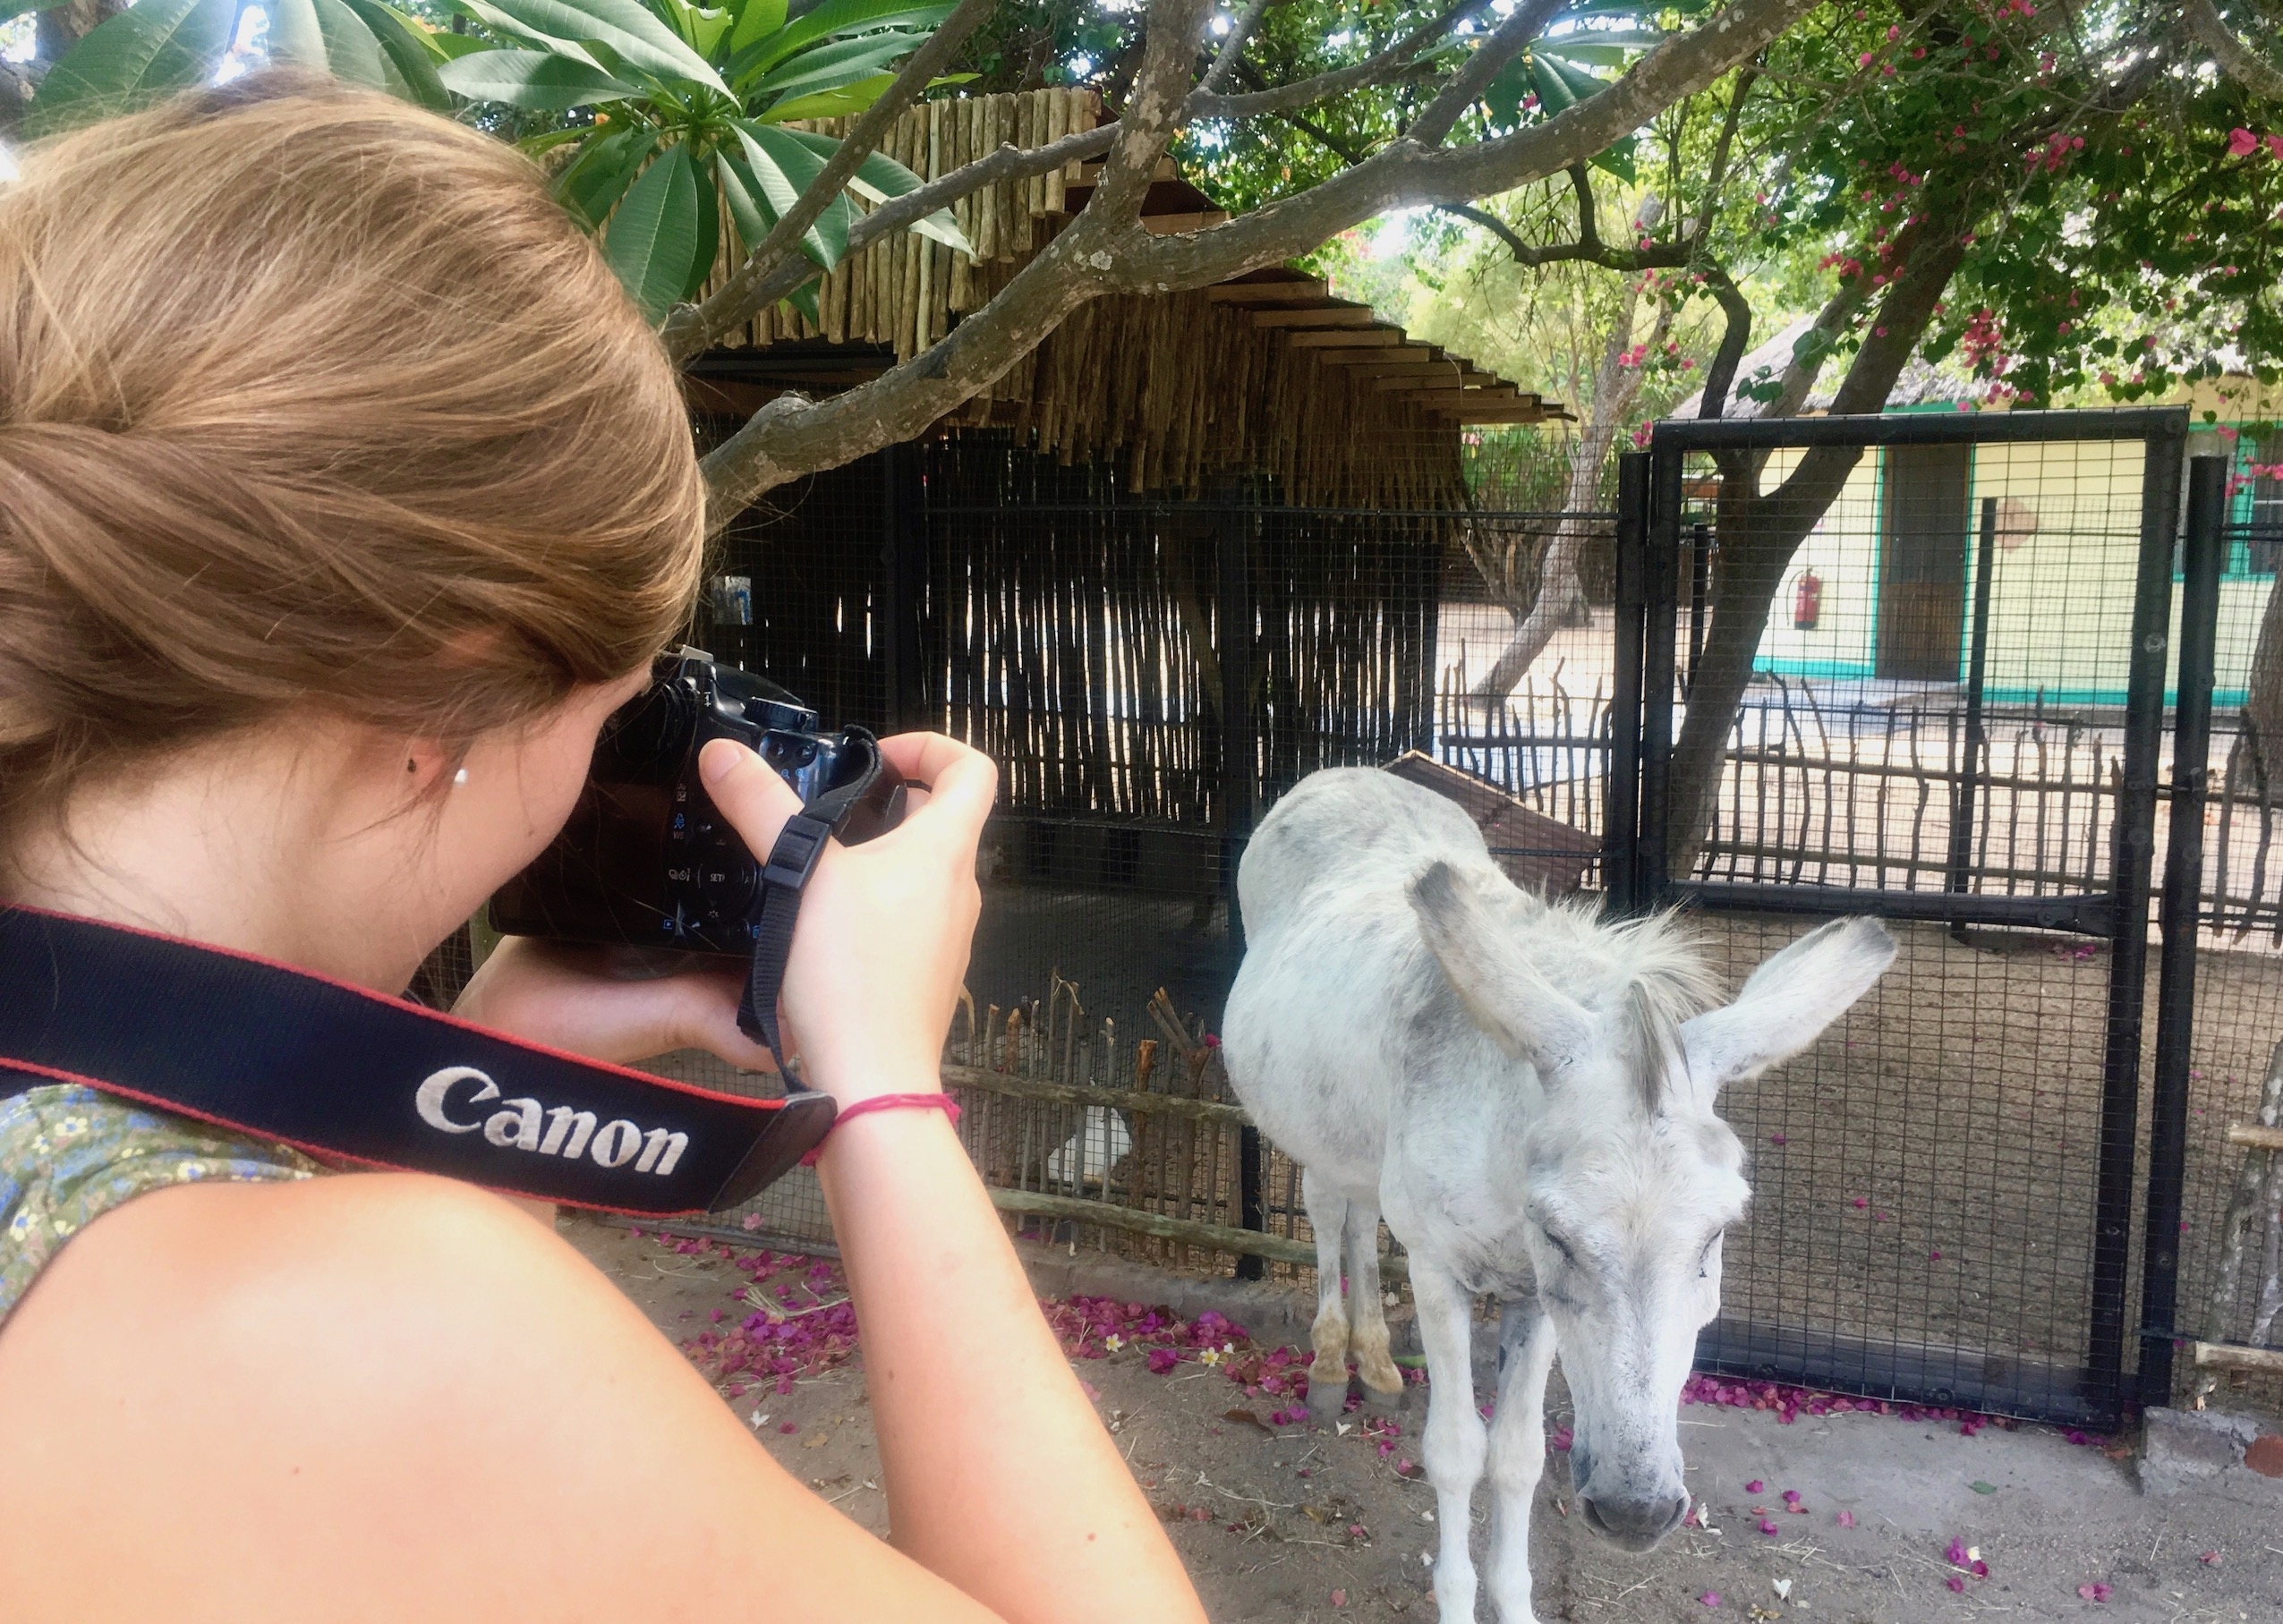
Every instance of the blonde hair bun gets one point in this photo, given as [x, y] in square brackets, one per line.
[311, 397]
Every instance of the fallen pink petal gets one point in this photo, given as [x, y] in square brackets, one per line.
[2094, 1592]
[1846, 1519]
[1767, 1528]
[1755, 1487]
[1955, 1582]
[1710, 1598]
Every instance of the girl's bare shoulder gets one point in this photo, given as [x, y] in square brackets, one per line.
[385, 1395]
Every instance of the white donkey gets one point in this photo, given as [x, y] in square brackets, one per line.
[1528, 1094]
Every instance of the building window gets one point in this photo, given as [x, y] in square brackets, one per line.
[2260, 544]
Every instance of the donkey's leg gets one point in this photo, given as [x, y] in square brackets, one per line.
[1366, 1315]
[1455, 1440]
[1517, 1453]
[1328, 1375]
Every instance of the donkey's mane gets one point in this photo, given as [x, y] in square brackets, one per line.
[1655, 966]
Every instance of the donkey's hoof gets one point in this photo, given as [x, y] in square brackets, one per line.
[1386, 1403]
[1327, 1402]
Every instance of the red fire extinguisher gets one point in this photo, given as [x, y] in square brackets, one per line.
[1807, 601]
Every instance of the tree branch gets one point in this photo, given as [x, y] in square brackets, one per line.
[1721, 147]
[689, 330]
[1233, 48]
[1735, 338]
[1507, 41]
[2238, 60]
[1393, 63]
[1106, 250]
[1072, 268]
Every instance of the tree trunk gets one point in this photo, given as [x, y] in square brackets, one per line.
[1542, 607]
[1759, 534]
[2258, 750]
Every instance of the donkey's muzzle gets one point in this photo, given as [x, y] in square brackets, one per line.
[1635, 1524]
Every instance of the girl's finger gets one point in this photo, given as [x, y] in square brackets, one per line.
[747, 793]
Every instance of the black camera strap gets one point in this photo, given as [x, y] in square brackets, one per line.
[348, 1074]
[792, 861]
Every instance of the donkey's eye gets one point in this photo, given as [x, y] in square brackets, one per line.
[1563, 1247]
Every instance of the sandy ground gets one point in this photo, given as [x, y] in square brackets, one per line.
[1280, 1523]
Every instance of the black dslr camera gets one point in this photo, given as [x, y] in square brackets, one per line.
[645, 859]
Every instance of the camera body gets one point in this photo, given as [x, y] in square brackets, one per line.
[645, 859]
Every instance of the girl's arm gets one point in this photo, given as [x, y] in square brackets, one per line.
[977, 1407]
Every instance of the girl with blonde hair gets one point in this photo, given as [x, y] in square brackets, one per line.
[343, 496]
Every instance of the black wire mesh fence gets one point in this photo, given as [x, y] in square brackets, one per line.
[1938, 712]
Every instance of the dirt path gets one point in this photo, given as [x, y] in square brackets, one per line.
[1280, 1523]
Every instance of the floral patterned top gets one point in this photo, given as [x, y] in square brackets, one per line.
[68, 1155]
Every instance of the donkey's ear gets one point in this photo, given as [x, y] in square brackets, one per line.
[1501, 990]
[1788, 1003]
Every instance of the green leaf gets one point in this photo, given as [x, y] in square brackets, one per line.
[144, 53]
[701, 28]
[351, 51]
[638, 37]
[1979, 1487]
[748, 213]
[831, 104]
[546, 140]
[1617, 160]
[781, 166]
[403, 43]
[653, 236]
[880, 178]
[708, 246]
[500, 22]
[598, 176]
[539, 81]
[1590, 52]
[804, 300]
[450, 47]
[837, 17]
[829, 66]
[758, 20]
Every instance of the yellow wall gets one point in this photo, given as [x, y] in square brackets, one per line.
[2061, 595]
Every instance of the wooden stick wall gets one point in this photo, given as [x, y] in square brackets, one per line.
[1175, 390]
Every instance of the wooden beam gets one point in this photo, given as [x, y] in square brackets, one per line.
[1381, 360]
[1522, 415]
[1267, 293]
[1442, 375]
[1412, 371]
[1348, 339]
[1318, 316]
[2232, 1355]
[2252, 1136]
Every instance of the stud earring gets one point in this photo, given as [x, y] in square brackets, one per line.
[460, 776]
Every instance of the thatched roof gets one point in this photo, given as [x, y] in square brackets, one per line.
[1268, 373]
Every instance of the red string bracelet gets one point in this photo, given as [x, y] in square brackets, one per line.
[881, 1103]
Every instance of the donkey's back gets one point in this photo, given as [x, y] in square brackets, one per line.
[1336, 980]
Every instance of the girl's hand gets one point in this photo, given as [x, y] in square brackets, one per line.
[881, 951]
[614, 1004]
[878, 956]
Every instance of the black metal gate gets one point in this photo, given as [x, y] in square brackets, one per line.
[2015, 1149]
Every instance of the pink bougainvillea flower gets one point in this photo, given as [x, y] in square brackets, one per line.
[1338, 1598]
[1562, 1439]
[1710, 1598]
[788, 1427]
[1955, 1582]
[1861, 1203]
[2241, 142]
[1767, 1528]
[2094, 1592]
[1162, 1359]
[1755, 1487]
[1955, 1552]
[1845, 1519]
[1779, 1140]
[1790, 1497]
[2209, 1559]
[1934, 1256]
